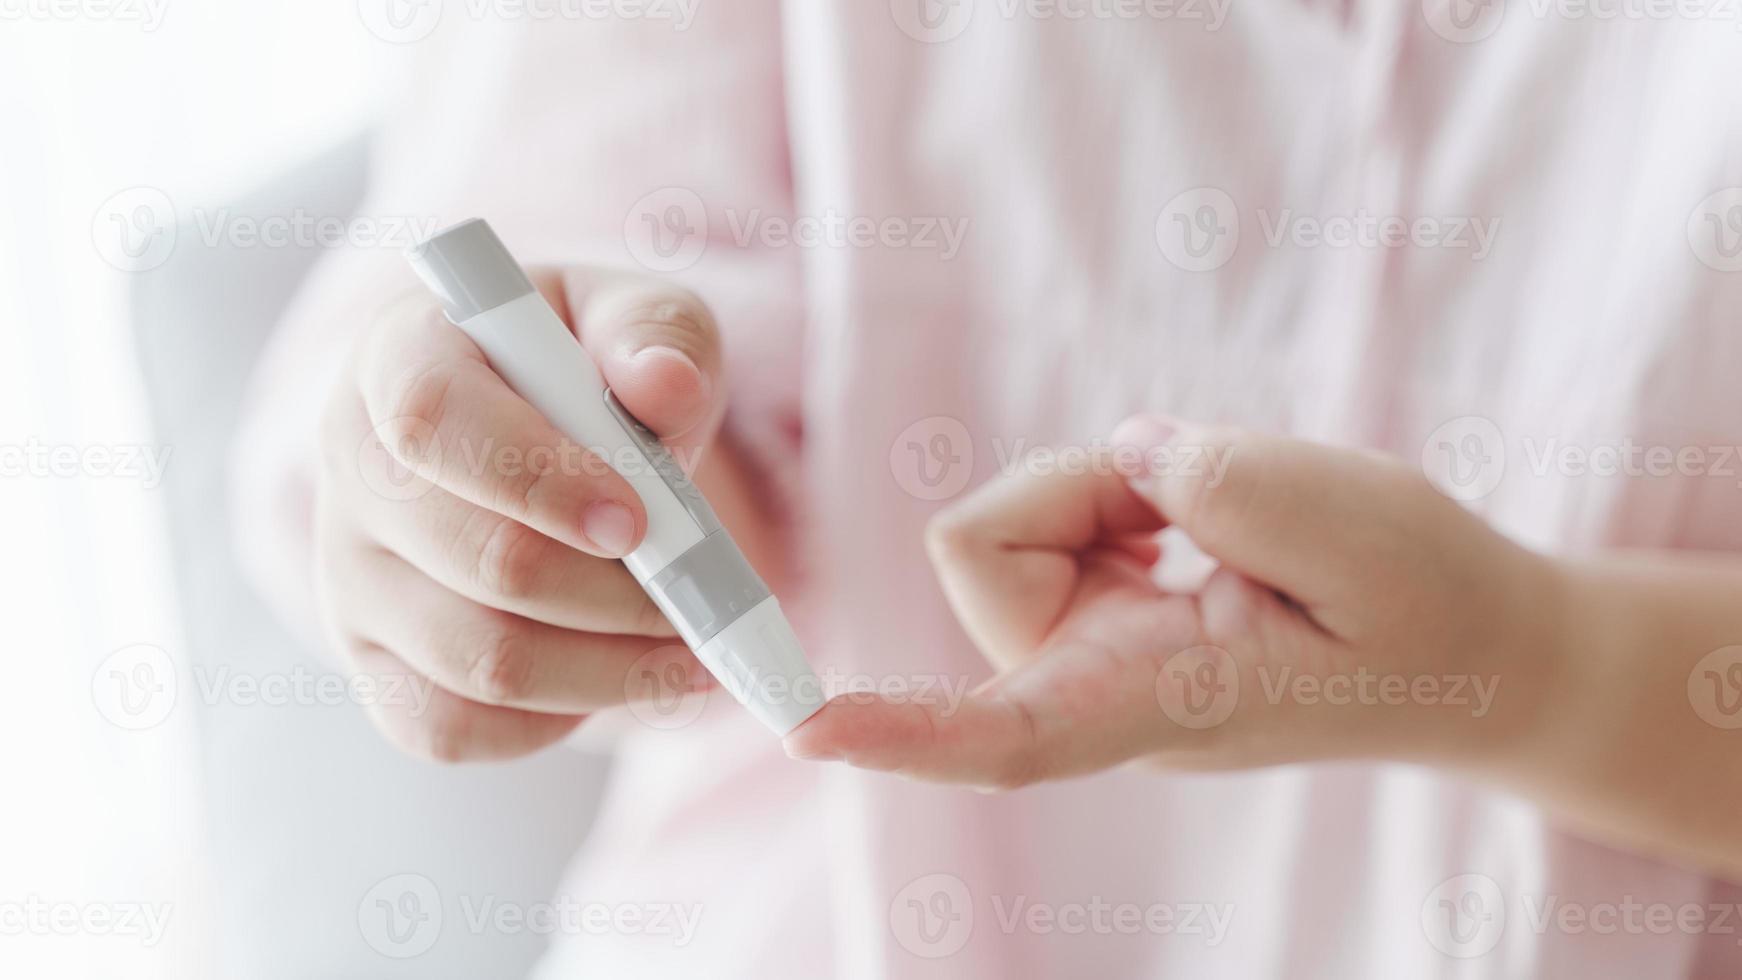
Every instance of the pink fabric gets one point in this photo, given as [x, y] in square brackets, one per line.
[1061, 142]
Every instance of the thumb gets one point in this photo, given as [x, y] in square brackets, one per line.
[657, 346]
[1305, 519]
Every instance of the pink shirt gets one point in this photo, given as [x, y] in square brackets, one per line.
[1592, 298]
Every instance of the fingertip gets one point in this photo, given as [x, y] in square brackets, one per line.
[612, 528]
[820, 737]
[663, 387]
[1145, 432]
[845, 729]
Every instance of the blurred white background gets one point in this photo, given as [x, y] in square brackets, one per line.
[197, 100]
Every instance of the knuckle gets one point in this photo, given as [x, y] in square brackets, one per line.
[680, 311]
[501, 670]
[949, 535]
[508, 560]
[519, 490]
[418, 399]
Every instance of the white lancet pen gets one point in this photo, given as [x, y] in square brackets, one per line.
[687, 562]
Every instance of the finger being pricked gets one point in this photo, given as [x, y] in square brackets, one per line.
[489, 656]
[1071, 713]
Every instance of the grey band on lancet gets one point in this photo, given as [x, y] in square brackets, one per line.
[469, 269]
[707, 588]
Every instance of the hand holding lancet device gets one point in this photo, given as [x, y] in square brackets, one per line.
[687, 562]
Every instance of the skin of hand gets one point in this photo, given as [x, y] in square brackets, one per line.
[1354, 613]
[462, 539]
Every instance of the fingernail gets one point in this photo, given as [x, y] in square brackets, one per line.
[1142, 435]
[610, 526]
[674, 357]
[1145, 432]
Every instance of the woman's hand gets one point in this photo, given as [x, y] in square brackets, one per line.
[464, 541]
[1356, 613]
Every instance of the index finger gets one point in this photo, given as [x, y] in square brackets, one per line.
[442, 412]
[1079, 709]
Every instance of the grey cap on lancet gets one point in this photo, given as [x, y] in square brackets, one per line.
[469, 269]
